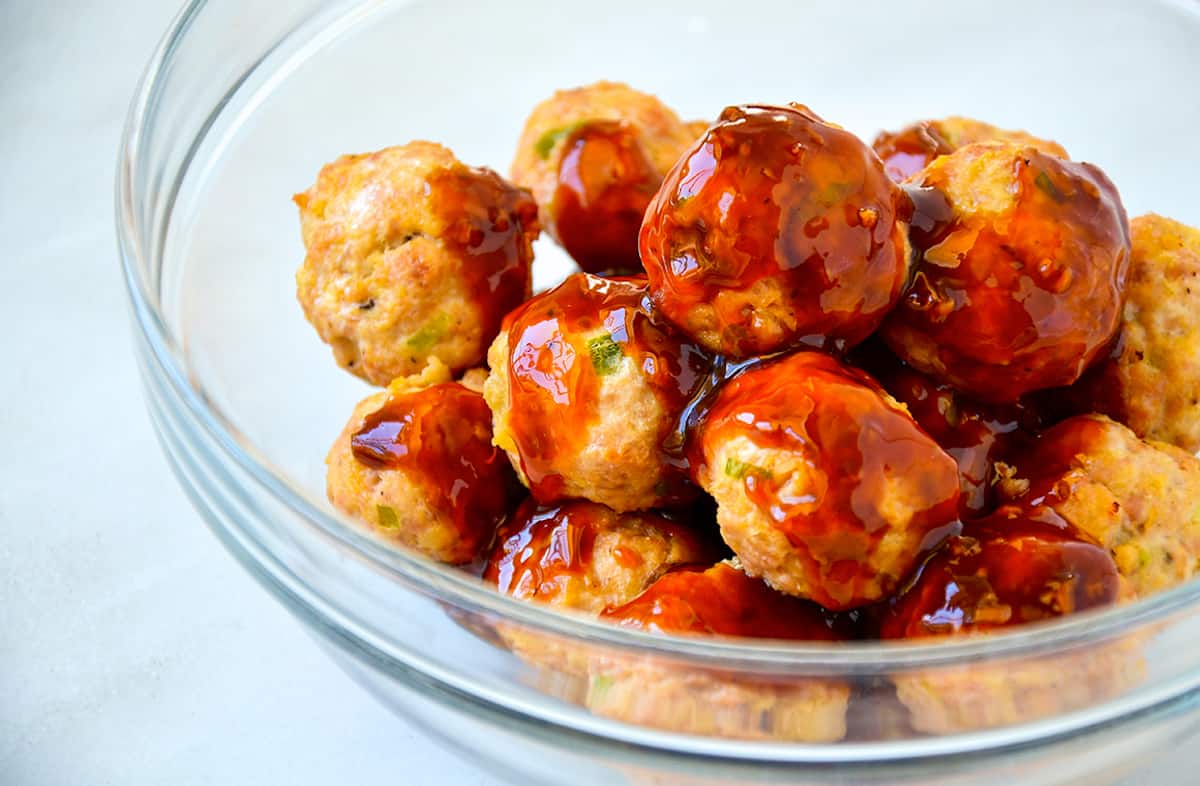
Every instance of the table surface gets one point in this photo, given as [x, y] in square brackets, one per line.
[133, 650]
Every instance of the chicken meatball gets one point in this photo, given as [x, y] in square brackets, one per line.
[586, 557]
[412, 255]
[1022, 276]
[1135, 498]
[587, 386]
[1012, 568]
[826, 487]
[418, 467]
[1151, 381]
[906, 152]
[776, 230]
[594, 157]
[721, 601]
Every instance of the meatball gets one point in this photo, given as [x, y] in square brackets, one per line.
[776, 230]
[593, 157]
[417, 465]
[1022, 278]
[722, 601]
[586, 557]
[1135, 498]
[826, 487]
[1151, 382]
[1015, 567]
[906, 152]
[412, 255]
[587, 388]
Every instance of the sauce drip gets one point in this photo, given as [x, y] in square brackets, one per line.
[605, 183]
[441, 437]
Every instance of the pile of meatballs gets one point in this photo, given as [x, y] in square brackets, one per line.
[802, 388]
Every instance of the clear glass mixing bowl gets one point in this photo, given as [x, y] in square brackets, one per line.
[245, 99]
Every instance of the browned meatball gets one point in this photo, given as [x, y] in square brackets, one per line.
[418, 467]
[906, 152]
[1022, 278]
[412, 256]
[776, 230]
[593, 157]
[587, 387]
[826, 487]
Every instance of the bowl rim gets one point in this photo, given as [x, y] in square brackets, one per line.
[448, 585]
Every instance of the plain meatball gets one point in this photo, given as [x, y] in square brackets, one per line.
[587, 386]
[906, 152]
[1135, 498]
[826, 487]
[1151, 382]
[412, 255]
[593, 157]
[418, 467]
[1022, 277]
[1013, 568]
[776, 230]
[719, 601]
[587, 557]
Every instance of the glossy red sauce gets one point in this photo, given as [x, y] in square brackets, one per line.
[905, 153]
[493, 225]
[442, 437]
[835, 418]
[723, 601]
[541, 551]
[1015, 567]
[773, 194]
[556, 368]
[605, 182]
[1002, 307]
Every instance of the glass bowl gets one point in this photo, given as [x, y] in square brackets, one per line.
[245, 99]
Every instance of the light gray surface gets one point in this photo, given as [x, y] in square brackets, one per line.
[132, 649]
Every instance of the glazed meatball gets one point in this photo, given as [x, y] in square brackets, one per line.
[1022, 278]
[417, 466]
[776, 230]
[1012, 568]
[1135, 498]
[906, 152]
[412, 255]
[1151, 382]
[587, 386]
[826, 487]
[586, 557]
[594, 157]
[721, 601]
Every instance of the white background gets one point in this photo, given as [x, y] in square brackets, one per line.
[132, 649]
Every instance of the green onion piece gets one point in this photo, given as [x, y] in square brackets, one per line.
[606, 354]
[433, 331]
[387, 517]
[1043, 182]
[600, 686]
[548, 140]
[740, 469]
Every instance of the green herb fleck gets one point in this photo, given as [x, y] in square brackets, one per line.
[387, 517]
[740, 469]
[1043, 182]
[606, 354]
[430, 334]
[599, 687]
[548, 140]
[834, 194]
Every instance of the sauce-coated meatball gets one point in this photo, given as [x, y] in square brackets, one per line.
[412, 256]
[776, 230]
[1151, 383]
[825, 485]
[587, 385]
[587, 557]
[1135, 498]
[719, 601]
[906, 152]
[419, 468]
[1022, 277]
[593, 157]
